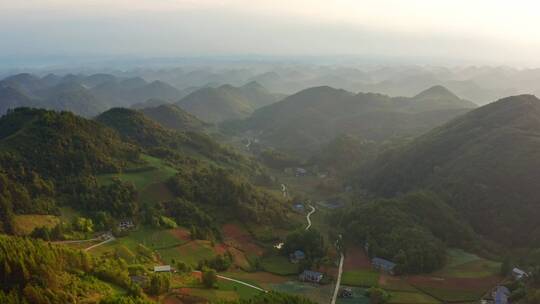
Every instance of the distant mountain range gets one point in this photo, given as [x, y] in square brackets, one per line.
[307, 120]
[484, 163]
[81, 94]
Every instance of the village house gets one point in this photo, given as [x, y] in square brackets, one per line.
[519, 274]
[383, 265]
[297, 256]
[162, 268]
[311, 276]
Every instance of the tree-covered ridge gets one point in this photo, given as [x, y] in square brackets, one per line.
[134, 127]
[413, 231]
[217, 188]
[482, 164]
[173, 117]
[305, 121]
[37, 272]
[59, 144]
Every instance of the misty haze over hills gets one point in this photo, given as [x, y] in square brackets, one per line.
[269, 151]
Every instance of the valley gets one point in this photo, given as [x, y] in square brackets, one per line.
[164, 207]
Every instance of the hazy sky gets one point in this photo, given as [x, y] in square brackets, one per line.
[498, 31]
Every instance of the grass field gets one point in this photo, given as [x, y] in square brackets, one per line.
[192, 252]
[466, 265]
[155, 171]
[317, 293]
[279, 265]
[224, 290]
[25, 224]
[361, 278]
[160, 240]
[402, 297]
[465, 278]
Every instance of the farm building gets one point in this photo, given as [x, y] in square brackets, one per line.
[311, 276]
[163, 268]
[383, 265]
[297, 256]
[518, 274]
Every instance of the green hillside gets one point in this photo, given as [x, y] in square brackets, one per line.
[227, 102]
[172, 117]
[309, 119]
[481, 163]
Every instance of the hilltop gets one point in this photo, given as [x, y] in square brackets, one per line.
[173, 117]
[480, 163]
[227, 102]
[311, 118]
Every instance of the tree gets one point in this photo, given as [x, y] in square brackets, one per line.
[505, 266]
[159, 283]
[209, 277]
[377, 295]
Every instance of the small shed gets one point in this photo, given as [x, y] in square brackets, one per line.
[162, 268]
[311, 276]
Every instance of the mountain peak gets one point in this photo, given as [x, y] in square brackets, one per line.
[436, 91]
[253, 85]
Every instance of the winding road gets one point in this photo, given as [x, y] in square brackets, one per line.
[309, 215]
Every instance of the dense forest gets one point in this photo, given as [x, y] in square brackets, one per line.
[38, 272]
[413, 230]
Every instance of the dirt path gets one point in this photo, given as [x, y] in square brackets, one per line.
[112, 238]
[338, 282]
[236, 281]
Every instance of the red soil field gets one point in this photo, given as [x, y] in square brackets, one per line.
[454, 283]
[239, 238]
[181, 234]
[356, 258]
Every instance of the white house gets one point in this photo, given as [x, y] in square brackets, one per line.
[163, 268]
[519, 274]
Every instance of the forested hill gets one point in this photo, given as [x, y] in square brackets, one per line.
[53, 159]
[173, 117]
[57, 144]
[311, 118]
[227, 102]
[483, 163]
